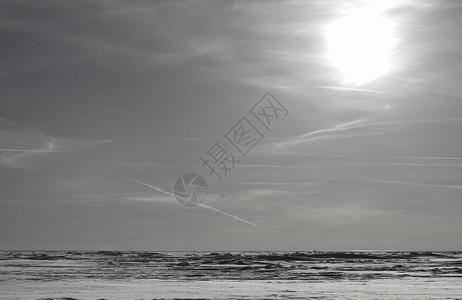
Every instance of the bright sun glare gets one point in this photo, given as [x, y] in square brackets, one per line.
[360, 46]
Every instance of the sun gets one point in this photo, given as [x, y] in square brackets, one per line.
[360, 46]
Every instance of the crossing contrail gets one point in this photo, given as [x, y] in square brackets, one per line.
[203, 205]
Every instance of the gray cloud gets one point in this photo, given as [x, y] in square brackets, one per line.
[93, 94]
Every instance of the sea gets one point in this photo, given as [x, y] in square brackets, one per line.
[69, 275]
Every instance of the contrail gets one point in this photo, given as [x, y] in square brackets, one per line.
[352, 89]
[357, 156]
[29, 150]
[317, 134]
[153, 187]
[230, 215]
[409, 183]
[203, 205]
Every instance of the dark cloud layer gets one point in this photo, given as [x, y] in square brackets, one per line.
[94, 94]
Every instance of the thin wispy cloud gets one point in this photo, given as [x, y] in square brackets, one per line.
[31, 150]
[398, 157]
[28, 146]
[415, 184]
[327, 133]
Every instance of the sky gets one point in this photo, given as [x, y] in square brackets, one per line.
[104, 104]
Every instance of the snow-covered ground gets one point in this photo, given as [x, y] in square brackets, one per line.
[238, 275]
[441, 288]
